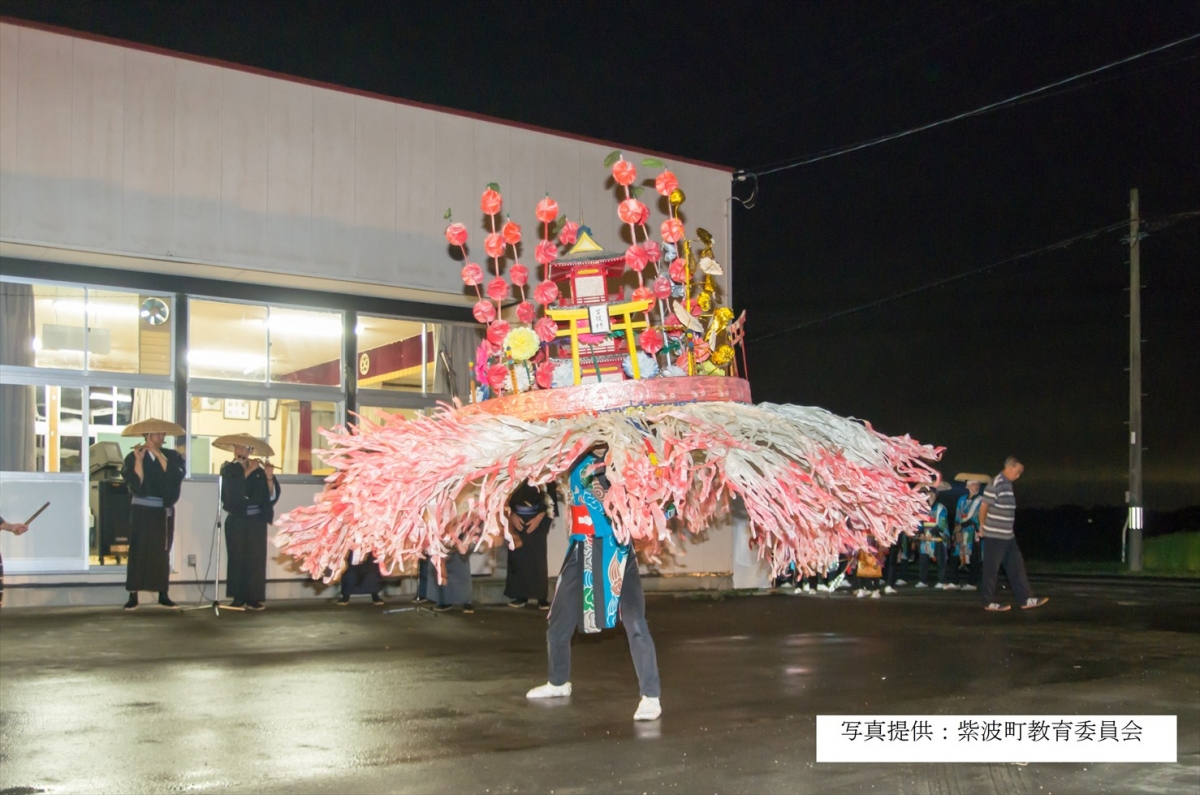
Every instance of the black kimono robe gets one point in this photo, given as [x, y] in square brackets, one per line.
[152, 520]
[249, 501]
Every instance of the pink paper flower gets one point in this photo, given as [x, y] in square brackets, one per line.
[677, 271]
[494, 245]
[653, 252]
[547, 210]
[519, 274]
[569, 233]
[645, 216]
[472, 274]
[546, 252]
[546, 329]
[630, 211]
[497, 289]
[702, 350]
[671, 229]
[490, 203]
[635, 258]
[662, 288]
[481, 360]
[525, 312]
[624, 172]
[456, 234]
[546, 293]
[497, 376]
[643, 294]
[545, 375]
[497, 331]
[511, 232]
[651, 341]
[665, 182]
[484, 311]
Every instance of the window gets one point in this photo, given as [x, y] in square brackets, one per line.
[396, 355]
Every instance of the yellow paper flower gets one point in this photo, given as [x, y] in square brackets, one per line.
[722, 356]
[705, 301]
[723, 316]
[522, 343]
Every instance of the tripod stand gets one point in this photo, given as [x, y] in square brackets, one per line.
[216, 542]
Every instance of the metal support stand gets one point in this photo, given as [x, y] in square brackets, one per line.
[216, 600]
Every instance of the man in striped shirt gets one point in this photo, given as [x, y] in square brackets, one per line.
[997, 514]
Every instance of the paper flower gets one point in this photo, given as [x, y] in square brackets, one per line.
[494, 245]
[545, 374]
[496, 333]
[671, 230]
[497, 376]
[564, 375]
[546, 252]
[546, 293]
[456, 234]
[686, 318]
[643, 294]
[490, 202]
[511, 232]
[651, 340]
[647, 365]
[635, 258]
[678, 271]
[624, 172]
[630, 211]
[497, 289]
[665, 182]
[484, 311]
[672, 371]
[481, 360]
[472, 274]
[525, 312]
[519, 274]
[653, 252]
[569, 233]
[722, 356]
[701, 350]
[662, 288]
[669, 252]
[522, 343]
[546, 329]
[547, 210]
[710, 266]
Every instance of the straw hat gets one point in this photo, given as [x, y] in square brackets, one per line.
[153, 426]
[230, 441]
[967, 477]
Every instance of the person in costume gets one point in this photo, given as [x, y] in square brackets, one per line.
[530, 511]
[598, 585]
[966, 520]
[361, 578]
[249, 491]
[155, 475]
[935, 536]
[455, 588]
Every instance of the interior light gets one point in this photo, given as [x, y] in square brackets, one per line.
[306, 325]
[228, 360]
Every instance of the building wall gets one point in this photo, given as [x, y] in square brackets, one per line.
[114, 149]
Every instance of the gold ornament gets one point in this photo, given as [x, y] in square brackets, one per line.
[709, 287]
[705, 301]
[676, 198]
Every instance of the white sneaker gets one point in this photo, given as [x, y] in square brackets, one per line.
[889, 590]
[844, 584]
[860, 593]
[803, 588]
[921, 585]
[822, 587]
[550, 691]
[951, 586]
[939, 587]
[648, 709]
[969, 587]
[901, 583]
[874, 594]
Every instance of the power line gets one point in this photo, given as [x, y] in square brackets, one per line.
[1155, 224]
[838, 151]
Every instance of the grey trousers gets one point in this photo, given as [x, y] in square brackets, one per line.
[1004, 552]
[566, 610]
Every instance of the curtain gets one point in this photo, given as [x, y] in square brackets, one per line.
[156, 404]
[458, 343]
[18, 449]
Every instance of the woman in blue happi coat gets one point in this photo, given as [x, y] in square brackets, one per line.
[598, 586]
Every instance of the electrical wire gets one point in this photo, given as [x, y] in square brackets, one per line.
[1153, 224]
[842, 150]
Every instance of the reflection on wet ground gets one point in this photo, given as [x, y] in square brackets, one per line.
[307, 697]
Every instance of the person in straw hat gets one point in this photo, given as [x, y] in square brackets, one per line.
[249, 491]
[966, 521]
[154, 474]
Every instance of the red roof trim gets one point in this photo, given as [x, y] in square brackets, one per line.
[77, 34]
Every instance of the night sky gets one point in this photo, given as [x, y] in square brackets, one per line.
[1026, 358]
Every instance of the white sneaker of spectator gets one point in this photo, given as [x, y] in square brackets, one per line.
[887, 589]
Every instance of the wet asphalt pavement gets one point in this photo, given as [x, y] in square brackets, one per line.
[310, 697]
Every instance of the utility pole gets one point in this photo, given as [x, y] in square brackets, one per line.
[1135, 385]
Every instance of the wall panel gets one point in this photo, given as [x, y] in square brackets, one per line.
[97, 151]
[196, 158]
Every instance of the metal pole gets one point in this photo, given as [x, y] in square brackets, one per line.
[1135, 385]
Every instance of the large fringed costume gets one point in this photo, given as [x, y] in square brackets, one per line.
[651, 377]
